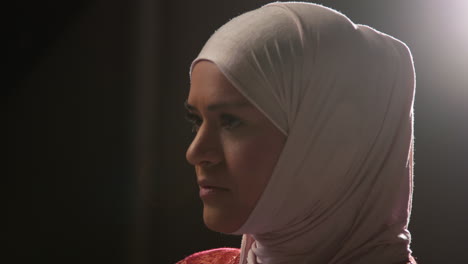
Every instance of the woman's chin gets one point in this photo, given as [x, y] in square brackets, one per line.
[221, 221]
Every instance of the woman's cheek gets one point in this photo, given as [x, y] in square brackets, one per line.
[253, 157]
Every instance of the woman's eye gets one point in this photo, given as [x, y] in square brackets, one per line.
[229, 121]
[194, 120]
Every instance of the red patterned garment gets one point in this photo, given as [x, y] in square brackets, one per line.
[213, 256]
[226, 256]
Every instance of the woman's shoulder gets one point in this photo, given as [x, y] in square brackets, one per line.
[213, 256]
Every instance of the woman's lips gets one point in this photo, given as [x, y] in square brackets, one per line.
[211, 191]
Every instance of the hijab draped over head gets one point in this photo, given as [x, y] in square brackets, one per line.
[343, 95]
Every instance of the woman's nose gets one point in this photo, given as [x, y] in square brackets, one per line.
[205, 148]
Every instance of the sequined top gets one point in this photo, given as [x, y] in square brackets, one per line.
[227, 256]
[214, 256]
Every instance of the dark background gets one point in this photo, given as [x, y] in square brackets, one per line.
[96, 140]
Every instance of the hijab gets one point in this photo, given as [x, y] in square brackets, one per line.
[343, 94]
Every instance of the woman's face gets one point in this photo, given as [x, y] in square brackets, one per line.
[234, 151]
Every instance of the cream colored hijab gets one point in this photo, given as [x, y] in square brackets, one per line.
[343, 95]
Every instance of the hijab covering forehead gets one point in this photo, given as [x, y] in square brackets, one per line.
[343, 95]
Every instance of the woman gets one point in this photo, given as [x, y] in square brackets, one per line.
[303, 140]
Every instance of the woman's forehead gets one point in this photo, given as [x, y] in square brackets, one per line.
[210, 86]
[219, 105]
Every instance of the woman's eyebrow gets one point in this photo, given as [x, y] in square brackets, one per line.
[220, 105]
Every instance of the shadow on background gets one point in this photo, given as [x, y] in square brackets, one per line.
[96, 140]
